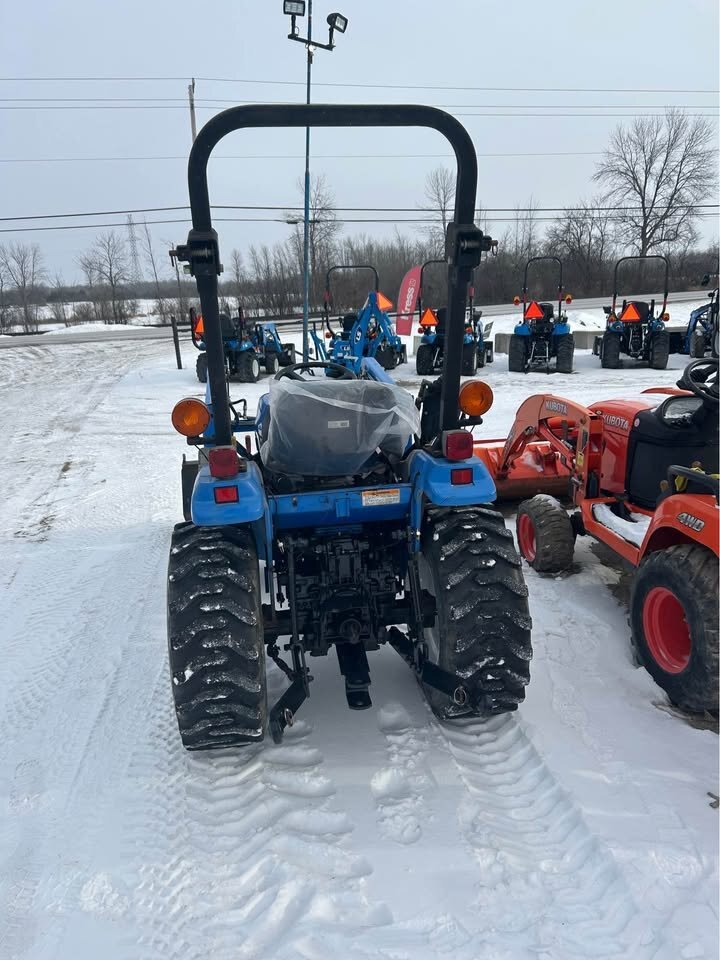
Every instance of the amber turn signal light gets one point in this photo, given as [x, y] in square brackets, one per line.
[476, 397]
[190, 417]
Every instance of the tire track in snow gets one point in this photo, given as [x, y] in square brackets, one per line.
[259, 834]
[546, 883]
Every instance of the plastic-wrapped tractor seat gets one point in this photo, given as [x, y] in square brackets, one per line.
[330, 428]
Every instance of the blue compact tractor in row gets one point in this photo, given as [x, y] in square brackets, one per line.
[477, 348]
[246, 347]
[367, 333]
[542, 336]
[701, 336]
[636, 329]
[343, 514]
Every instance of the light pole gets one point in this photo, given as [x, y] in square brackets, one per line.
[335, 21]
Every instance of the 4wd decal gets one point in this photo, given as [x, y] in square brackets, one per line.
[695, 523]
[557, 406]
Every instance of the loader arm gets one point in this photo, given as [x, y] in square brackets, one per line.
[564, 440]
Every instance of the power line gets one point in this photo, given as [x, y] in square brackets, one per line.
[298, 156]
[292, 206]
[346, 84]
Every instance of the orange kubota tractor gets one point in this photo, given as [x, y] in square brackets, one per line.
[642, 475]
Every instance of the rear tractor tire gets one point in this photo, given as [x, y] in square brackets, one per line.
[287, 357]
[482, 620]
[386, 356]
[469, 360]
[201, 367]
[545, 534]
[517, 354]
[697, 344]
[610, 350]
[674, 618]
[248, 367]
[424, 360]
[564, 353]
[272, 362]
[215, 637]
[659, 350]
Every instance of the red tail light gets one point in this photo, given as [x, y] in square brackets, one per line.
[462, 476]
[226, 494]
[223, 462]
[457, 444]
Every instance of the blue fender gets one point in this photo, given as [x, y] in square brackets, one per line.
[522, 330]
[561, 329]
[430, 478]
[251, 504]
[656, 325]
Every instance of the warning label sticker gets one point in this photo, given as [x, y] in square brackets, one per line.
[338, 424]
[380, 498]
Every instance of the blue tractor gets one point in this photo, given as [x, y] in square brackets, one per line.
[701, 336]
[636, 329]
[542, 336]
[368, 333]
[246, 347]
[350, 517]
[477, 349]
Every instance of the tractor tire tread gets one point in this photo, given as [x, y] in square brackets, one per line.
[610, 350]
[517, 354]
[554, 534]
[691, 572]
[565, 352]
[424, 360]
[201, 367]
[659, 350]
[215, 637]
[483, 600]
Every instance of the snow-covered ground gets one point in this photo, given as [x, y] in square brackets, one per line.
[579, 828]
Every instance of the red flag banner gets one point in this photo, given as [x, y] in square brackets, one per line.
[407, 298]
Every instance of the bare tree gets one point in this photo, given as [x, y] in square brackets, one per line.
[524, 236]
[5, 309]
[582, 237]
[23, 265]
[659, 169]
[238, 275]
[146, 242]
[111, 262]
[440, 194]
[59, 310]
[324, 228]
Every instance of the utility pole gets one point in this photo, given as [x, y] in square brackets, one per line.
[191, 100]
[306, 220]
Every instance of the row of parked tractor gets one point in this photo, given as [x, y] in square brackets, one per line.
[542, 340]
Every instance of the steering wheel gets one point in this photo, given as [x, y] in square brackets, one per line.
[701, 378]
[339, 372]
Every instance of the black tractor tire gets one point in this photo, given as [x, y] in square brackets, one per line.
[272, 362]
[215, 637]
[201, 367]
[659, 350]
[564, 353]
[424, 360]
[610, 350]
[678, 588]
[248, 367]
[480, 351]
[545, 534]
[482, 621]
[287, 357]
[469, 360]
[697, 344]
[517, 354]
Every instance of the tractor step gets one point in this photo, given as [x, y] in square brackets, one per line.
[356, 670]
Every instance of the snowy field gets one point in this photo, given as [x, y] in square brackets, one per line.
[579, 828]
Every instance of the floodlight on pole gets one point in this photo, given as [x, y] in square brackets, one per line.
[335, 21]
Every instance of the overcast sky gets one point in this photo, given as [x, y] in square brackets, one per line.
[642, 44]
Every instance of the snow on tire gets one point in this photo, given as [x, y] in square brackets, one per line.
[545, 534]
[482, 622]
[215, 637]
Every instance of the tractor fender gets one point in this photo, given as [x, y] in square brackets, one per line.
[431, 482]
[561, 329]
[522, 330]
[251, 503]
[683, 518]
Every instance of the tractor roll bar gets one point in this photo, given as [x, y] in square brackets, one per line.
[464, 241]
[352, 266]
[556, 260]
[654, 256]
[427, 263]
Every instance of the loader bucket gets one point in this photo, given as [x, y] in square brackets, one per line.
[538, 470]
